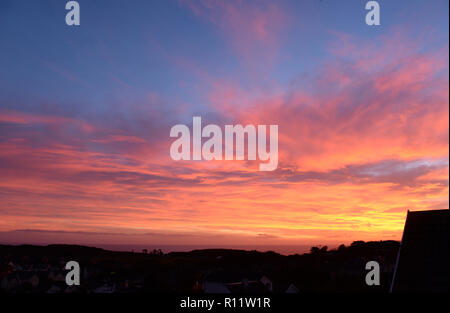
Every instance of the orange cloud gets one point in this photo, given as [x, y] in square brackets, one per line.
[367, 141]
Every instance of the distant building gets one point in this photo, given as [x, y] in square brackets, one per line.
[215, 287]
[105, 288]
[28, 277]
[9, 282]
[220, 282]
[57, 276]
[54, 289]
[267, 282]
[292, 289]
[422, 261]
[248, 286]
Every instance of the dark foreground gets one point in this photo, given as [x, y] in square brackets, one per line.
[41, 269]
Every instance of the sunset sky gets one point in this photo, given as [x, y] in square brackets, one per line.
[86, 111]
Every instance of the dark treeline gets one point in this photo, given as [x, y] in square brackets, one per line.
[29, 268]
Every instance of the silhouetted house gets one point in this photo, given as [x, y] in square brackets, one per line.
[57, 287]
[14, 280]
[105, 288]
[267, 282]
[29, 278]
[229, 282]
[292, 289]
[422, 261]
[9, 282]
[248, 286]
[54, 289]
[56, 275]
[215, 287]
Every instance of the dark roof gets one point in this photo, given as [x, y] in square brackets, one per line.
[422, 261]
[247, 287]
[230, 276]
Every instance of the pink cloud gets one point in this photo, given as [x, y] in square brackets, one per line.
[252, 29]
[368, 137]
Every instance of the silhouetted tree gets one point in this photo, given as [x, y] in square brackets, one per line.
[157, 252]
[314, 250]
[357, 243]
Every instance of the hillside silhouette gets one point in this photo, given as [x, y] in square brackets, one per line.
[40, 269]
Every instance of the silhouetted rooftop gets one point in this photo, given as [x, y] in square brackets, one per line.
[422, 262]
